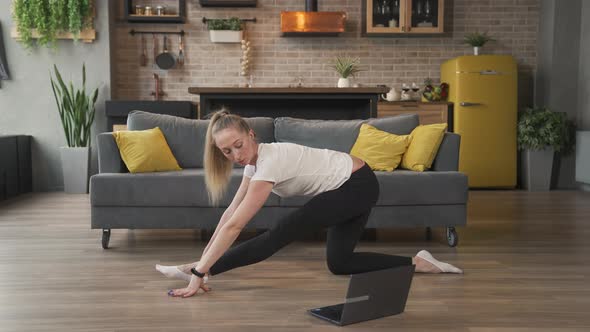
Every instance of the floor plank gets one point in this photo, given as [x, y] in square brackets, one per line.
[525, 257]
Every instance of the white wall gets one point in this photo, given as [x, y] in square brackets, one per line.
[27, 105]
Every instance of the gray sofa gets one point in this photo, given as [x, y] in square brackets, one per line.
[178, 199]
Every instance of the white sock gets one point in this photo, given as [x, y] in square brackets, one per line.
[444, 267]
[173, 272]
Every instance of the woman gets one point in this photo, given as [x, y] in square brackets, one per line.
[344, 189]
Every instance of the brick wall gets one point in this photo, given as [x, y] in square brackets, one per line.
[278, 61]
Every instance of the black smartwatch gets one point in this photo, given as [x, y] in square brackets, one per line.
[197, 273]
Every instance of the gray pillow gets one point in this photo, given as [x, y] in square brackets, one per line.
[337, 135]
[186, 137]
[399, 124]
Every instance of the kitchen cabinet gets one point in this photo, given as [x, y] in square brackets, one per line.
[428, 112]
[391, 17]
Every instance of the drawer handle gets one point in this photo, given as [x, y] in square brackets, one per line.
[467, 104]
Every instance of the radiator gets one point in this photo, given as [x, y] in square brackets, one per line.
[583, 158]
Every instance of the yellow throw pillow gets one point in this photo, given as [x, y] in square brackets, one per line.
[145, 151]
[424, 144]
[381, 150]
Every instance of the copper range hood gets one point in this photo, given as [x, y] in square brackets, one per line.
[311, 22]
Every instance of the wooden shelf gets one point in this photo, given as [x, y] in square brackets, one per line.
[179, 17]
[86, 36]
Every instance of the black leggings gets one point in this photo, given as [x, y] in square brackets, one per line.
[344, 210]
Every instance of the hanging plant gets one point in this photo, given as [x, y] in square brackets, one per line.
[23, 17]
[50, 18]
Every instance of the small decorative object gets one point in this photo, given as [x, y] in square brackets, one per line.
[245, 61]
[346, 67]
[76, 110]
[225, 30]
[48, 20]
[540, 134]
[392, 23]
[148, 11]
[415, 90]
[392, 95]
[432, 93]
[138, 10]
[477, 40]
[160, 10]
[406, 93]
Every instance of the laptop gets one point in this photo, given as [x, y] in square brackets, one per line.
[371, 295]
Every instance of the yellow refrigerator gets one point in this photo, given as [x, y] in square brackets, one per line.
[483, 90]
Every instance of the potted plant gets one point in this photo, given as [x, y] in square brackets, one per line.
[48, 20]
[345, 67]
[541, 133]
[76, 110]
[477, 40]
[223, 30]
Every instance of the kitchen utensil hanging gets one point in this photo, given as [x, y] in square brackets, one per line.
[165, 60]
[180, 58]
[143, 56]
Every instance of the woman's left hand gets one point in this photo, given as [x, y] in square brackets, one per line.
[193, 287]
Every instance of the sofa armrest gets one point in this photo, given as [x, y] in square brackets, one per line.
[109, 158]
[447, 158]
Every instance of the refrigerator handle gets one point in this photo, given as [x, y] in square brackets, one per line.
[467, 104]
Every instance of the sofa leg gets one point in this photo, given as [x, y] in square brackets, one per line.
[452, 237]
[428, 234]
[106, 236]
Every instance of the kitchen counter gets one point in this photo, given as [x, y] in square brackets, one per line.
[301, 90]
[297, 102]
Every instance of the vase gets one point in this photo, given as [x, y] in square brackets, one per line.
[538, 165]
[475, 50]
[343, 82]
[74, 164]
[226, 36]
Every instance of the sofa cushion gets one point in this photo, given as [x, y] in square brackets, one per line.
[381, 150]
[186, 137]
[403, 187]
[145, 151]
[338, 135]
[400, 124]
[179, 188]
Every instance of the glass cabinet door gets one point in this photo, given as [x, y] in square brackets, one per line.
[385, 15]
[425, 16]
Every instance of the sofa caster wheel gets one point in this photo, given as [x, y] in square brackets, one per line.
[428, 234]
[452, 237]
[106, 236]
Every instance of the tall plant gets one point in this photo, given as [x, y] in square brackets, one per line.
[76, 109]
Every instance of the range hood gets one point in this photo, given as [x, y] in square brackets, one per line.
[311, 22]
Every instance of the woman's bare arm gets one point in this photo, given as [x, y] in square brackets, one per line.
[256, 195]
[238, 197]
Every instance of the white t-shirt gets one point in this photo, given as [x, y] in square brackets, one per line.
[299, 170]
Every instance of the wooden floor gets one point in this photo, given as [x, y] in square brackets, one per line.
[525, 256]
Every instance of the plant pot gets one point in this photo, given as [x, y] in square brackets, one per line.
[538, 165]
[226, 36]
[74, 164]
[343, 82]
[475, 50]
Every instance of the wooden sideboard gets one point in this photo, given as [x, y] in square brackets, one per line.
[430, 112]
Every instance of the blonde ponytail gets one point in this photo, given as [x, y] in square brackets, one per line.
[217, 167]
